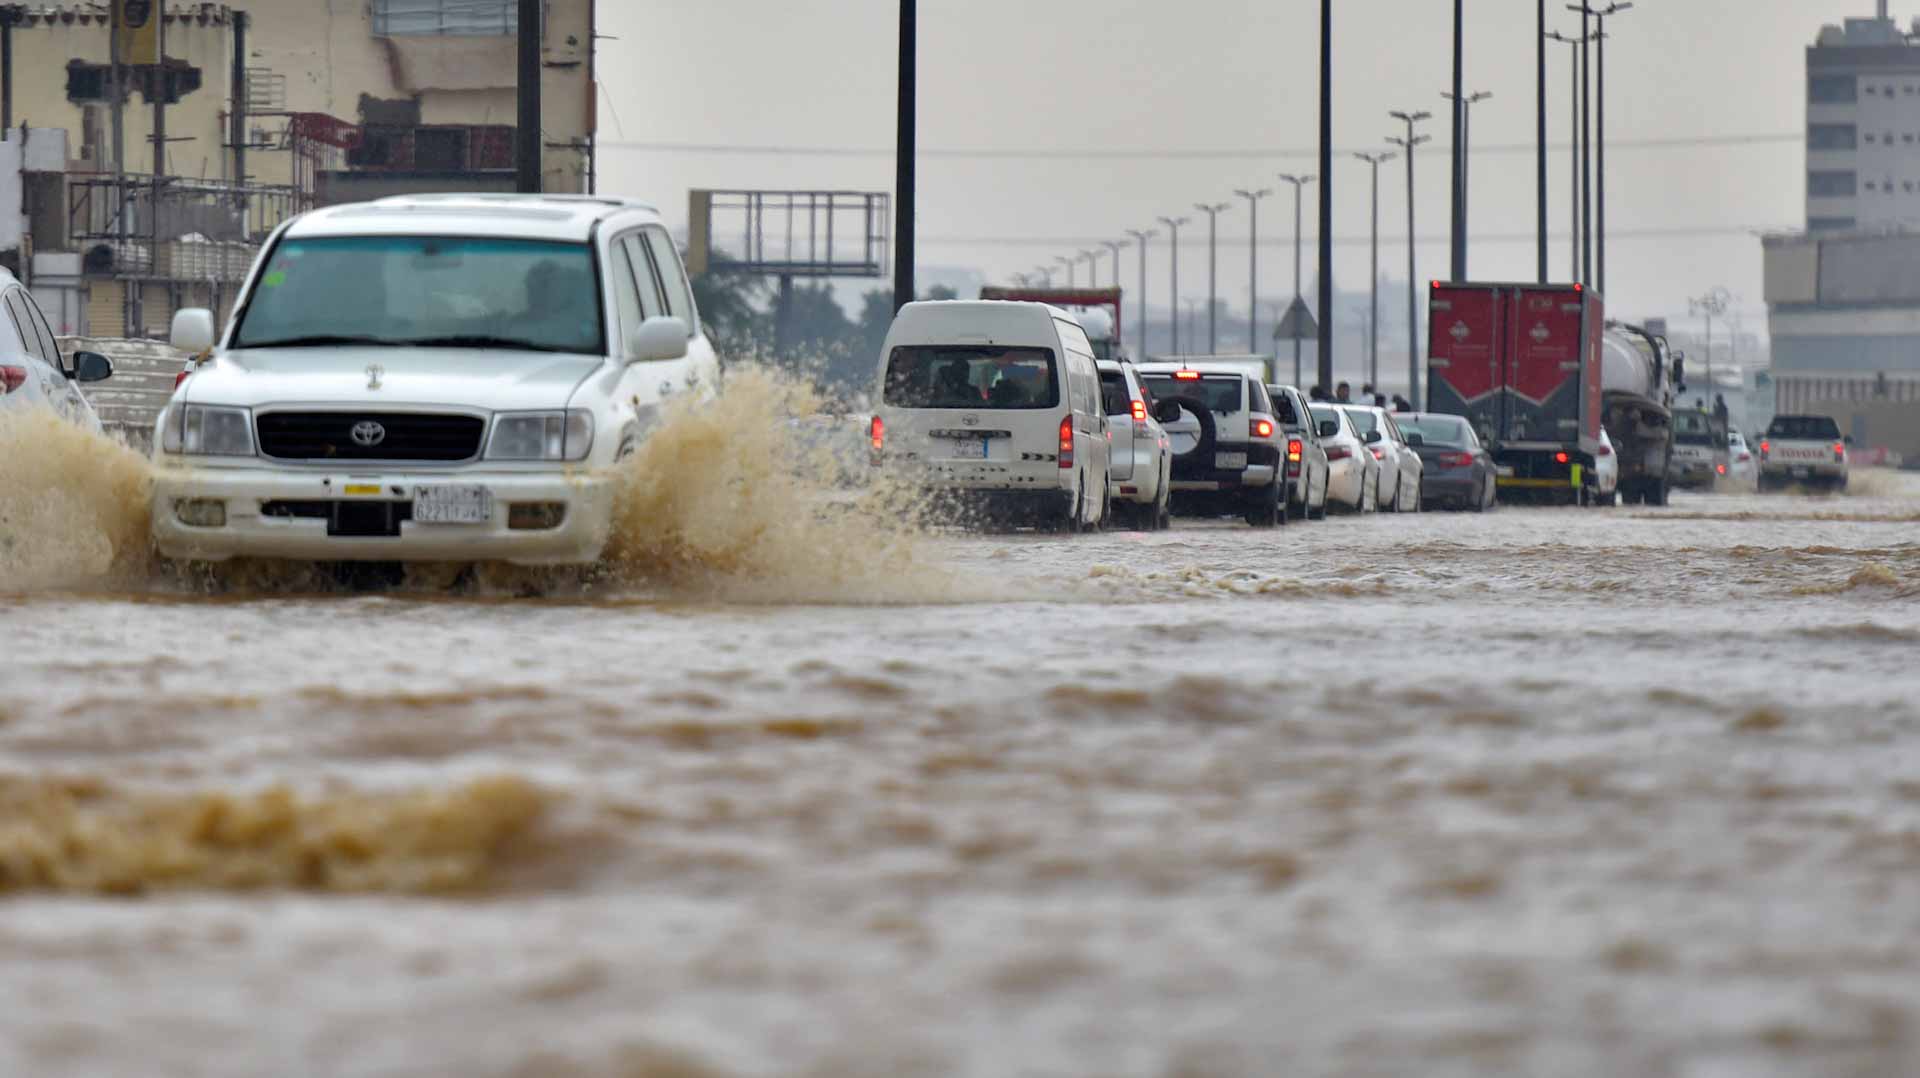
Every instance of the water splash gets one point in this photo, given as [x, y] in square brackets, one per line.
[73, 506]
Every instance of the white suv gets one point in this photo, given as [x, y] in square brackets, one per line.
[436, 378]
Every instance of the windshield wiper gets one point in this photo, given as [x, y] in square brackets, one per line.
[320, 340]
[478, 341]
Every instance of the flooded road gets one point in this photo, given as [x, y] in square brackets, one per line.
[1536, 792]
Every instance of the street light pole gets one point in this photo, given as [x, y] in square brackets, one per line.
[1600, 138]
[1324, 346]
[1141, 238]
[1173, 232]
[1713, 304]
[1212, 210]
[1464, 155]
[904, 150]
[1409, 144]
[1586, 142]
[1114, 246]
[1573, 147]
[1045, 274]
[1092, 259]
[1374, 160]
[1069, 263]
[1458, 97]
[1299, 183]
[1253, 266]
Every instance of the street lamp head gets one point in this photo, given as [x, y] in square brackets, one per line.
[1174, 222]
[1297, 181]
[1254, 196]
[1411, 117]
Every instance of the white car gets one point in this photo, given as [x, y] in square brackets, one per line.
[1142, 466]
[1605, 488]
[995, 407]
[1227, 443]
[32, 372]
[430, 378]
[1353, 476]
[1400, 466]
[1742, 470]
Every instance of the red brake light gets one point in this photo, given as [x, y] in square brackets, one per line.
[181, 377]
[1606, 450]
[1066, 442]
[1379, 454]
[1187, 376]
[12, 378]
[1139, 411]
[1458, 460]
[1839, 447]
[1721, 468]
[1746, 456]
[1262, 429]
[1579, 288]
[1339, 452]
[1766, 447]
[1560, 458]
[877, 430]
[1294, 449]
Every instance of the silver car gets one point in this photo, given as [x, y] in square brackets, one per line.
[32, 372]
[1400, 466]
[1353, 476]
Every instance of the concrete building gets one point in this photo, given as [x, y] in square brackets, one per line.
[271, 107]
[1863, 126]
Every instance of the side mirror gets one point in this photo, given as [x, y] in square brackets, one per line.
[192, 330]
[1680, 371]
[658, 339]
[1166, 411]
[1329, 428]
[1373, 437]
[1415, 440]
[91, 367]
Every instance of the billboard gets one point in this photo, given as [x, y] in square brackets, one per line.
[138, 24]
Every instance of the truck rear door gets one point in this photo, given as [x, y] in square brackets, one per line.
[1546, 377]
[1464, 357]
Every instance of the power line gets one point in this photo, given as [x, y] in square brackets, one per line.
[1676, 143]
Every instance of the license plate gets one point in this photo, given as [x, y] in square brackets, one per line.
[1802, 473]
[1230, 461]
[451, 504]
[970, 449]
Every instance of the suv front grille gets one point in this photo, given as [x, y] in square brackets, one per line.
[329, 436]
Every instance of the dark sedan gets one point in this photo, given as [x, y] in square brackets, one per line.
[1459, 470]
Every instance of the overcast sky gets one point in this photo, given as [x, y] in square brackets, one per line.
[1187, 79]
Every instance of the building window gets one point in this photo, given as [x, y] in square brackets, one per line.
[1869, 185]
[1822, 89]
[1869, 140]
[1830, 224]
[1835, 184]
[464, 18]
[1832, 137]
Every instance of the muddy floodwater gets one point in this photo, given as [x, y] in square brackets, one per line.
[1543, 792]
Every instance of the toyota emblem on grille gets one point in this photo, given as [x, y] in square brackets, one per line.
[970, 420]
[368, 434]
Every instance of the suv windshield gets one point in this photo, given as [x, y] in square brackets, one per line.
[1442, 432]
[430, 291]
[1221, 393]
[972, 376]
[1804, 428]
[1693, 428]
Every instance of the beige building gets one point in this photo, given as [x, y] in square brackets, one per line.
[336, 102]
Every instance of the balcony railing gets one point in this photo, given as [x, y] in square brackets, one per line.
[173, 229]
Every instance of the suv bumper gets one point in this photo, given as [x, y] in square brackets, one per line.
[305, 522]
[1192, 475]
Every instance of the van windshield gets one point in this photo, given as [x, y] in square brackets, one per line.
[972, 376]
[426, 291]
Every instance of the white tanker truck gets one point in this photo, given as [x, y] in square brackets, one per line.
[1638, 376]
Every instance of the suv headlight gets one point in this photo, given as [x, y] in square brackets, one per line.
[206, 431]
[541, 436]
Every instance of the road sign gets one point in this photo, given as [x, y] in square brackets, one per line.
[1297, 324]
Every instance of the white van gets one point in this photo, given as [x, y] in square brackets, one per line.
[997, 406]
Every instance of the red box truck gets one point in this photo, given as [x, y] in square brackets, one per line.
[1523, 363]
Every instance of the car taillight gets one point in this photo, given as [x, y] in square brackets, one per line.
[1839, 448]
[181, 377]
[12, 378]
[1379, 454]
[1066, 442]
[877, 430]
[1744, 457]
[1721, 468]
[1606, 450]
[1262, 429]
[1294, 449]
[1457, 460]
[1765, 448]
[1339, 452]
[1139, 411]
[1560, 458]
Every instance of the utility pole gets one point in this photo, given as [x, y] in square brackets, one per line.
[1212, 210]
[1464, 155]
[1253, 266]
[1326, 193]
[1408, 145]
[1540, 186]
[1459, 261]
[1069, 263]
[528, 136]
[1573, 148]
[1115, 246]
[159, 85]
[1586, 143]
[1173, 231]
[904, 151]
[1714, 304]
[1299, 183]
[1374, 161]
[1600, 137]
[1092, 259]
[1141, 238]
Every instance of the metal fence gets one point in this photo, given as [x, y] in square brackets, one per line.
[175, 229]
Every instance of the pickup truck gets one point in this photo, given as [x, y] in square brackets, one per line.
[1803, 451]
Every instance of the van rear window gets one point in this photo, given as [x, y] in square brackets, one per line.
[972, 376]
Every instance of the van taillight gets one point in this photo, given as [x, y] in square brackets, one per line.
[1560, 458]
[1066, 442]
[1139, 411]
[12, 378]
[1294, 449]
[1262, 429]
[877, 430]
